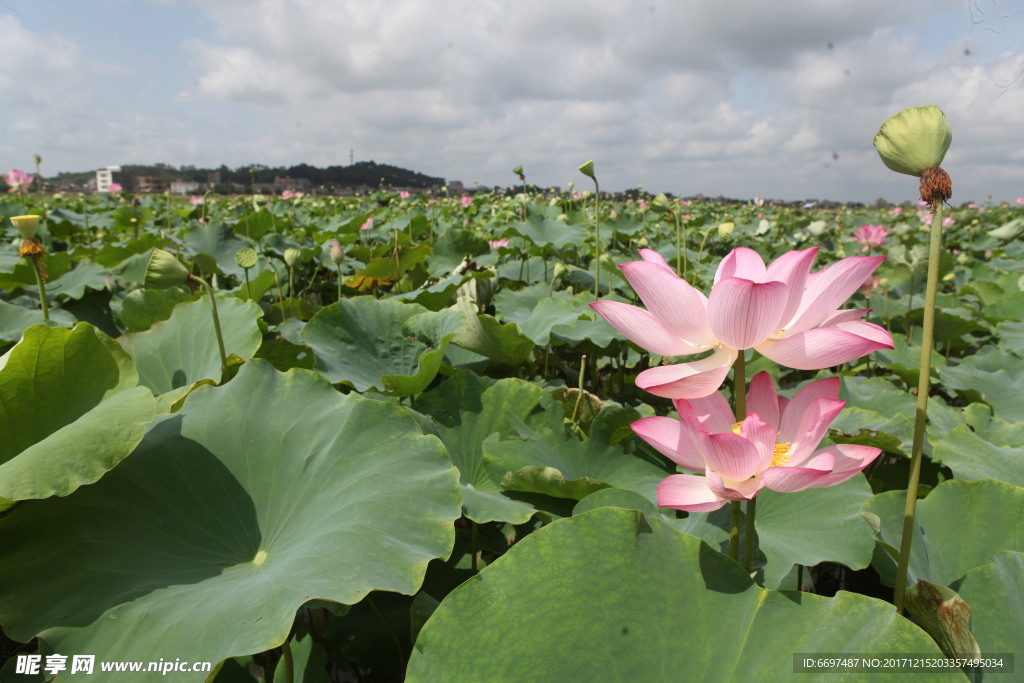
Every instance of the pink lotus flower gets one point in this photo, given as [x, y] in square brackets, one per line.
[773, 447]
[642, 203]
[196, 200]
[495, 244]
[114, 188]
[787, 313]
[1019, 201]
[403, 194]
[368, 224]
[896, 211]
[871, 235]
[467, 201]
[19, 181]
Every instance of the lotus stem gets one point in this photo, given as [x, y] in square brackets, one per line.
[748, 550]
[42, 289]
[216, 326]
[923, 386]
[289, 661]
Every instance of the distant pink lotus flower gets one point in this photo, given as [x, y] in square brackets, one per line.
[291, 194]
[946, 222]
[403, 195]
[495, 244]
[922, 204]
[19, 181]
[196, 200]
[896, 211]
[1019, 201]
[787, 313]
[367, 225]
[774, 447]
[871, 235]
[114, 188]
[642, 203]
[467, 201]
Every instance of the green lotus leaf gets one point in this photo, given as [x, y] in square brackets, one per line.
[995, 592]
[73, 410]
[218, 242]
[958, 528]
[176, 353]
[466, 410]
[914, 139]
[612, 595]
[255, 498]
[388, 345]
[542, 231]
[14, 320]
[813, 526]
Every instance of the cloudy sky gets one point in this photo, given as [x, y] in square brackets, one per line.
[742, 98]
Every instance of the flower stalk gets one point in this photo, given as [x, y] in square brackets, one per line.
[921, 416]
[33, 251]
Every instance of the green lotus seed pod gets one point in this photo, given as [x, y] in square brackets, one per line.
[246, 257]
[292, 256]
[914, 139]
[165, 270]
[26, 225]
[518, 170]
[587, 169]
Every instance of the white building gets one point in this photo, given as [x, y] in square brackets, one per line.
[105, 177]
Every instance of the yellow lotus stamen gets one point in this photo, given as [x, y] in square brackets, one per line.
[783, 452]
[736, 428]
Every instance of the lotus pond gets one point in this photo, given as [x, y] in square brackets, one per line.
[412, 449]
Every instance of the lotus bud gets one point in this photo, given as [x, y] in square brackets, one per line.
[518, 170]
[914, 142]
[165, 271]
[292, 256]
[725, 229]
[337, 253]
[660, 204]
[559, 270]
[26, 225]
[587, 169]
[246, 257]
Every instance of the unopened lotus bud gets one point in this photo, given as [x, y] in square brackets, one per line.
[246, 257]
[26, 225]
[587, 169]
[337, 253]
[660, 204]
[725, 229]
[292, 256]
[165, 270]
[559, 270]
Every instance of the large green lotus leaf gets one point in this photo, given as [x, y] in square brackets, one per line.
[219, 242]
[485, 335]
[1011, 334]
[959, 526]
[72, 284]
[71, 410]
[466, 409]
[995, 592]
[182, 350]
[542, 231]
[813, 526]
[588, 462]
[142, 307]
[384, 345]
[711, 527]
[14, 320]
[995, 376]
[613, 595]
[257, 497]
[974, 457]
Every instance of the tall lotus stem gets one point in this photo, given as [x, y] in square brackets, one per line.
[914, 142]
[33, 251]
[587, 169]
[921, 417]
[216, 325]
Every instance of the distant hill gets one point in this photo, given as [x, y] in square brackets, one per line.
[365, 174]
